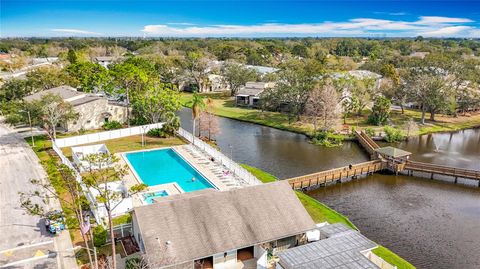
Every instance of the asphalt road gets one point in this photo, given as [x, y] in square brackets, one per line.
[24, 242]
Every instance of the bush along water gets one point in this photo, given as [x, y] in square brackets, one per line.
[327, 139]
[393, 134]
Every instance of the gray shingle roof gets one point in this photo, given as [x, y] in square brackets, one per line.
[332, 229]
[65, 92]
[340, 250]
[201, 225]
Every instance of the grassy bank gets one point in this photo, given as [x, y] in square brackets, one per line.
[320, 213]
[224, 106]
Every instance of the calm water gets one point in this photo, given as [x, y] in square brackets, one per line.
[430, 223]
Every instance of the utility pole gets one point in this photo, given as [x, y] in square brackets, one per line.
[31, 129]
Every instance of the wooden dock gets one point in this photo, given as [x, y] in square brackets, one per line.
[367, 143]
[379, 162]
[433, 169]
[336, 174]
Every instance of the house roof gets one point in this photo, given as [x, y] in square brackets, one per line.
[105, 58]
[254, 88]
[200, 225]
[262, 69]
[393, 152]
[66, 92]
[342, 249]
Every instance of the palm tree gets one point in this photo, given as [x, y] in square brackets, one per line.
[197, 106]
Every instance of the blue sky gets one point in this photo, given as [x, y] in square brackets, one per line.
[240, 18]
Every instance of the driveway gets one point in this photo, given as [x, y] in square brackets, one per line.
[23, 238]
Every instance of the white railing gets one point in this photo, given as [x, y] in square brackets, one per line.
[241, 172]
[91, 199]
[106, 135]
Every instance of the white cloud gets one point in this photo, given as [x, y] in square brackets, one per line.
[449, 31]
[425, 25]
[74, 31]
[430, 20]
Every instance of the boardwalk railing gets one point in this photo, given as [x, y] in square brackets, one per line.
[367, 143]
[107, 135]
[241, 172]
[315, 179]
[442, 170]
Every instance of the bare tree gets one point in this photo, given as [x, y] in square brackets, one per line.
[196, 68]
[101, 169]
[322, 106]
[209, 124]
[410, 126]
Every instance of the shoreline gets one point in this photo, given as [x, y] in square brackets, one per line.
[264, 118]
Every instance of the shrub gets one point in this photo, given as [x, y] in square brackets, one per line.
[327, 139]
[157, 132]
[99, 236]
[112, 125]
[135, 263]
[393, 134]
[370, 132]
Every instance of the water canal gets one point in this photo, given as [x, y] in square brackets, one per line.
[432, 224]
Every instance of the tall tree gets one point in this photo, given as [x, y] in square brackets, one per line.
[72, 198]
[53, 111]
[102, 169]
[155, 101]
[380, 111]
[127, 78]
[91, 77]
[208, 121]
[198, 105]
[236, 75]
[196, 68]
[322, 106]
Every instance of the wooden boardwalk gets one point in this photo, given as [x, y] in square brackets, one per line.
[442, 170]
[377, 164]
[336, 174]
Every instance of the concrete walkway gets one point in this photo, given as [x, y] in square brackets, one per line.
[24, 242]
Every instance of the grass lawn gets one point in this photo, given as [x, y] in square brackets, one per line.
[82, 257]
[224, 106]
[320, 213]
[134, 142]
[127, 218]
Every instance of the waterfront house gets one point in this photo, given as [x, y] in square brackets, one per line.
[249, 95]
[238, 228]
[94, 110]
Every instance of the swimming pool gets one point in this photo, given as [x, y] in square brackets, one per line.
[150, 196]
[155, 167]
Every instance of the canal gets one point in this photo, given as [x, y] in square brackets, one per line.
[430, 223]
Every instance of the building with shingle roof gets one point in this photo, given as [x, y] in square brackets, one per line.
[93, 110]
[342, 248]
[221, 228]
[249, 95]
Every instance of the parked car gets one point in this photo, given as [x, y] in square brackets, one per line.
[55, 221]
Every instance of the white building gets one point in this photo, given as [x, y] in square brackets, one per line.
[94, 110]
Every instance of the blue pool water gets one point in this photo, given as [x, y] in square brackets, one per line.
[163, 166]
[148, 197]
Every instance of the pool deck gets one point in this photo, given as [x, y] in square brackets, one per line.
[212, 171]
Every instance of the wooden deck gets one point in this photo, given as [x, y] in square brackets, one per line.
[336, 174]
[443, 170]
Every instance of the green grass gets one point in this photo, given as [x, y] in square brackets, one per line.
[260, 174]
[134, 142]
[392, 258]
[321, 213]
[224, 106]
[127, 218]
